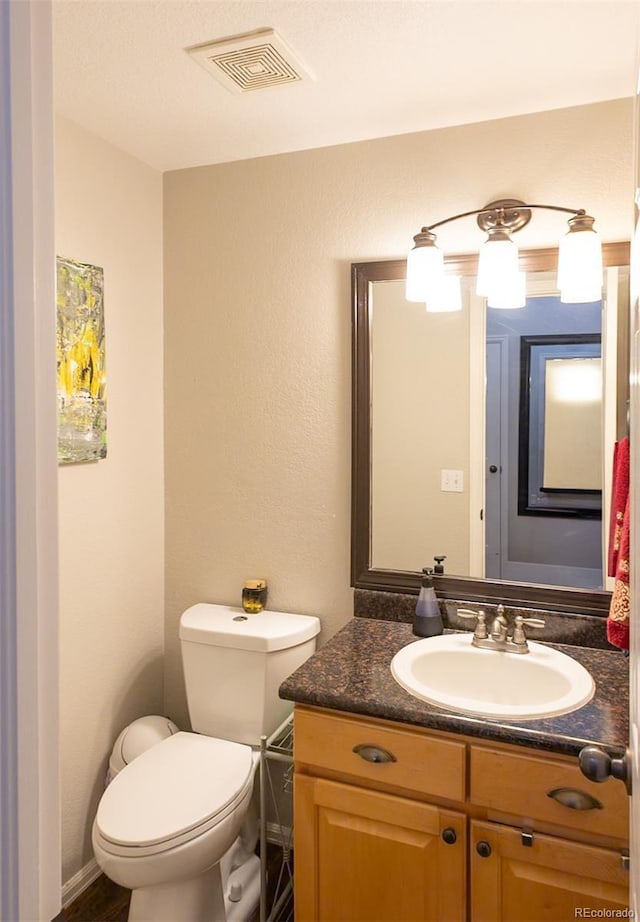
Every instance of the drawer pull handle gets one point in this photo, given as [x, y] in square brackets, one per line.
[483, 849]
[371, 753]
[449, 836]
[574, 799]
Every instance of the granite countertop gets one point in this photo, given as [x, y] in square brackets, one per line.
[351, 672]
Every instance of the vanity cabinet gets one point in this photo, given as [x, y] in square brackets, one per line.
[397, 823]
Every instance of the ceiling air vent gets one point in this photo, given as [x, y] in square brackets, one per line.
[253, 61]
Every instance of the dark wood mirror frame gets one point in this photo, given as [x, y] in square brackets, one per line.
[363, 576]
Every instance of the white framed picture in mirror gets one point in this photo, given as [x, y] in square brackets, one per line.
[425, 444]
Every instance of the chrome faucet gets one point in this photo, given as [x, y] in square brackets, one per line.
[499, 627]
[497, 638]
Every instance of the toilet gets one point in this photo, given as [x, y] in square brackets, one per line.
[178, 825]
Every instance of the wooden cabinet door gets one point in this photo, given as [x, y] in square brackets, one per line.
[364, 856]
[551, 880]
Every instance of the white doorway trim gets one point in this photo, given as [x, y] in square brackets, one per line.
[29, 774]
[8, 683]
[477, 408]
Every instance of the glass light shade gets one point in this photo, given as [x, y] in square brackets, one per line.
[580, 265]
[447, 297]
[510, 293]
[581, 295]
[498, 259]
[425, 271]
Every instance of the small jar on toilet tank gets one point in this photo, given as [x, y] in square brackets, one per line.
[254, 595]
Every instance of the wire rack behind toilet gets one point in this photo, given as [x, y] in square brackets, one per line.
[276, 824]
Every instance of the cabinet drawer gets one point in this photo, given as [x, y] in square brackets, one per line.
[522, 785]
[422, 764]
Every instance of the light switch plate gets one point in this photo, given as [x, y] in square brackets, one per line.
[451, 481]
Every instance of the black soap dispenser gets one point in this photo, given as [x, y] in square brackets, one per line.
[427, 621]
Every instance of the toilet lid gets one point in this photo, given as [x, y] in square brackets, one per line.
[174, 787]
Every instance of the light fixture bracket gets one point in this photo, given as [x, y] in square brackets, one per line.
[425, 238]
[508, 213]
[580, 222]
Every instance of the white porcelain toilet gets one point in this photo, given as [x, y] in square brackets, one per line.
[175, 825]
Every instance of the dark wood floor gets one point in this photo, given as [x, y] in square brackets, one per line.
[105, 901]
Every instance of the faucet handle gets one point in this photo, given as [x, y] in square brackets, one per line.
[480, 632]
[519, 622]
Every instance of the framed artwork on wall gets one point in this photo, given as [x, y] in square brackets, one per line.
[560, 431]
[80, 347]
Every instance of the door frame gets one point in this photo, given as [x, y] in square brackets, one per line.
[30, 865]
[539, 285]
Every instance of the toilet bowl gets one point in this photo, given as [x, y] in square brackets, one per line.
[168, 818]
[174, 825]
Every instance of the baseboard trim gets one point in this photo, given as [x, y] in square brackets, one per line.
[79, 882]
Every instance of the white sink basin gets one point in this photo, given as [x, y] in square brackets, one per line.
[449, 672]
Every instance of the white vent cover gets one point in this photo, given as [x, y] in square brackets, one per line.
[253, 61]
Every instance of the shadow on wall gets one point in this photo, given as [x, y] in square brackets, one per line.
[140, 689]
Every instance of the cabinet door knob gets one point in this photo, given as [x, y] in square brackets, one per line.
[371, 753]
[574, 799]
[449, 835]
[483, 849]
[597, 766]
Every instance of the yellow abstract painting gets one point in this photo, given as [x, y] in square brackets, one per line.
[81, 388]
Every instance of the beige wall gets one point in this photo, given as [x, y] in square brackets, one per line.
[258, 331]
[109, 212]
[420, 413]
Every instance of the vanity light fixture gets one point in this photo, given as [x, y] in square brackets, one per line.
[499, 278]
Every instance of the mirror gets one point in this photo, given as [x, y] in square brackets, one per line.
[420, 429]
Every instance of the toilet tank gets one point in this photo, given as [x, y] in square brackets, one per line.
[234, 664]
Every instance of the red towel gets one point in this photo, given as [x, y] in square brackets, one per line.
[618, 620]
[619, 497]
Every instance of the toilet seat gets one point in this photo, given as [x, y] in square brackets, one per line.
[173, 793]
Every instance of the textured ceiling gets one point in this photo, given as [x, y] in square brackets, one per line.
[380, 67]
